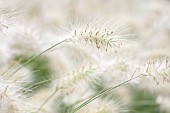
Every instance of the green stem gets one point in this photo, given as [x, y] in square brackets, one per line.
[47, 100]
[39, 54]
[41, 82]
[103, 93]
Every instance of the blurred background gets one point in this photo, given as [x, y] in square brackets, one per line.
[27, 27]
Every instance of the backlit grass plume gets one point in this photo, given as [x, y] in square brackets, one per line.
[98, 32]
[83, 73]
[13, 98]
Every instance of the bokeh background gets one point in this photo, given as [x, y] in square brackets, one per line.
[79, 70]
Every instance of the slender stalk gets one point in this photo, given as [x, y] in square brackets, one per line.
[103, 93]
[39, 54]
[47, 100]
[41, 82]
